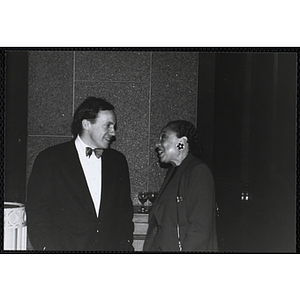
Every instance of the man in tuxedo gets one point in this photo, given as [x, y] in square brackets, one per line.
[78, 196]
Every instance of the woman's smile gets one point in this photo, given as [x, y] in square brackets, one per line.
[160, 152]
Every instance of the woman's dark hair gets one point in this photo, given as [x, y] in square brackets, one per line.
[88, 110]
[186, 128]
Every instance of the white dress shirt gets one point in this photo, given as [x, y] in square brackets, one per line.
[92, 168]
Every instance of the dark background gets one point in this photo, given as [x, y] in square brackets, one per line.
[247, 121]
[16, 125]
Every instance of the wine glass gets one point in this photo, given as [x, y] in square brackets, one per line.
[152, 196]
[143, 196]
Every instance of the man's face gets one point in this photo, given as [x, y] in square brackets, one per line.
[100, 133]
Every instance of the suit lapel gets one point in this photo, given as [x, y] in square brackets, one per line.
[166, 181]
[177, 175]
[172, 193]
[77, 177]
[108, 178]
[155, 211]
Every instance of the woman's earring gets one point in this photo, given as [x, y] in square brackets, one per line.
[180, 146]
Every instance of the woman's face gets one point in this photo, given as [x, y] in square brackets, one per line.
[166, 148]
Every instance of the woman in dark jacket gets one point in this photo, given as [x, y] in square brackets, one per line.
[183, 215]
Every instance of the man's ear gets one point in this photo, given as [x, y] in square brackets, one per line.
[86, 124]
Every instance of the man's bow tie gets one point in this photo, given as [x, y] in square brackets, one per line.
[89, 151]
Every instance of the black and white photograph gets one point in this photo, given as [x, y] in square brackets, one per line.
[149, 149]
[197, 150]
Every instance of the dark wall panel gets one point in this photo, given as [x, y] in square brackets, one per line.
[16, 125]
[253, 142]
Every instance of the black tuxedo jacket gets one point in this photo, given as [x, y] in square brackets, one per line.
[60, 210]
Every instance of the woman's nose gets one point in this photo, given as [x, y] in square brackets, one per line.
[112, 132]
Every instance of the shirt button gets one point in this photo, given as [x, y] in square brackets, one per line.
[159, 226]
[97, 230]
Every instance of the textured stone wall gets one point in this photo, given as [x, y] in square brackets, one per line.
[148, 89]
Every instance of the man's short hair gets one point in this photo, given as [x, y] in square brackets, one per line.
[88, 110]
